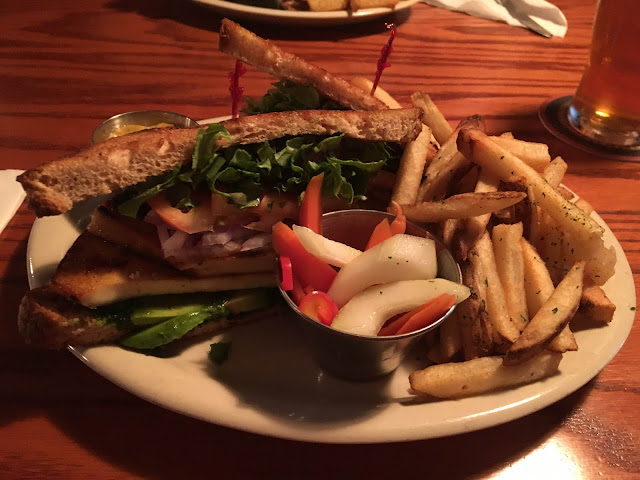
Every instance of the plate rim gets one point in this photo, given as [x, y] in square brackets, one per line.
[309, 18]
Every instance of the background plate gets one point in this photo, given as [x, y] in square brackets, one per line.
[271, 386]
[238, 10]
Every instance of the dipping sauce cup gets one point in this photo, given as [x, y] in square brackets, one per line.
[139, 118]
[358, 357]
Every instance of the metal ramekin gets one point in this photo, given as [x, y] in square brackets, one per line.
[145, 118]
[358, 357]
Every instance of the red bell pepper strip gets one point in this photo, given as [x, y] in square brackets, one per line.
[296, 292]
[319, 306]
[399, 224]
[287, 273]
[311, 209]
[309, 269]
[379, 234]
[420, 317]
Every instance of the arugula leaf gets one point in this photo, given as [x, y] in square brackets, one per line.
[242, 173]
[219, 352]
[139, 194]
[290, 96]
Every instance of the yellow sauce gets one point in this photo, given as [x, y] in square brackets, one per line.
[125, 129]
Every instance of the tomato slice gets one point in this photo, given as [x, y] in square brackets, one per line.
[311, 210]
[309, 269]
[197, 219]
[319, 306]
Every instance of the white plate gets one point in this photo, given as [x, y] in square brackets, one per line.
[270, 386]
[302, 18]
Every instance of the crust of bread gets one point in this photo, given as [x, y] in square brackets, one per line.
[48, 320]
[54, 187]
[267, 57]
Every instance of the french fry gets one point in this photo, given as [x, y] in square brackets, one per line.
[461, 206]
[437, 178]
[411, 167]
[536, 155]
[584, 206]
[446, 164]
[595, 307]
[487, 182]
[554, 173]
[450, 339]
[432, 117]
[449, 228]
[435, 355]
[327, 5]
[565, 193]
[481, 375]
[476, 330]
[468, 182]
[550, 245]
[550, 320]
[503, 327]
[584, 233]
[360, 4]
[508, 252]
[538, 283]
[538, 288]
[366, 85]
[565, 341]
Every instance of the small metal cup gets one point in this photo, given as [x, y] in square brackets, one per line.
[359, 357]
[146, 118]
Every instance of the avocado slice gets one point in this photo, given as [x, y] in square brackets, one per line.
[165, 332]
[172, 316]
[248, 300]
[156, 309]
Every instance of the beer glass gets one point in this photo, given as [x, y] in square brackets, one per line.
[606, 106]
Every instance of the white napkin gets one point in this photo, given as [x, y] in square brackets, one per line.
[11, 196]
[538, 15]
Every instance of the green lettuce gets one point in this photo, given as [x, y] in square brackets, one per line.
[243, 173]
[290, 96]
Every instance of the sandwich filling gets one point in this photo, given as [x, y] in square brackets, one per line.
[225, 202]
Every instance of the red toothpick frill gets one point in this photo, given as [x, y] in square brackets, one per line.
[384, 56]
[234, 87]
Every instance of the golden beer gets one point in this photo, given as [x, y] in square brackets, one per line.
[606, 106]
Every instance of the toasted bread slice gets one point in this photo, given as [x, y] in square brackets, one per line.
[95, 272]
[265, 56]
[48, 320]
[53, 187]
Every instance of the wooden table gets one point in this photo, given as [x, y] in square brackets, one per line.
[65, 66]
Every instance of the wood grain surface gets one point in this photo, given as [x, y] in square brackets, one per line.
[65, 66]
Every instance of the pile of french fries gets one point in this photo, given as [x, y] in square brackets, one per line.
[529, 251]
